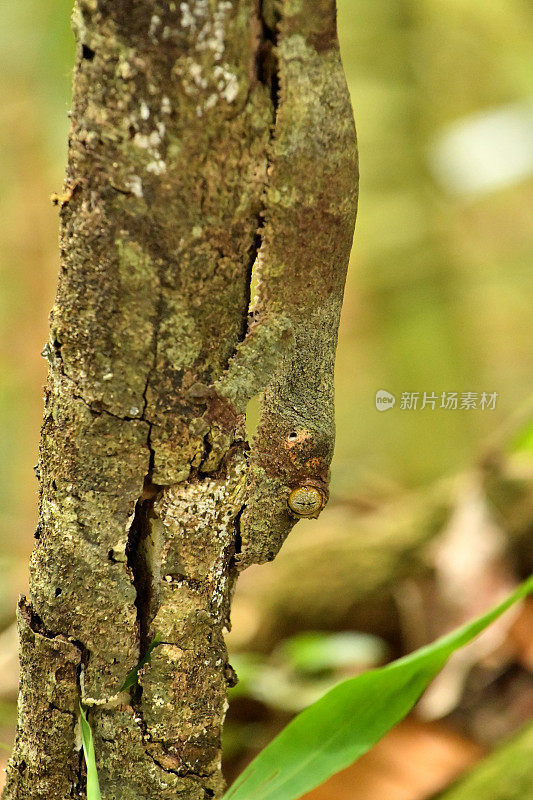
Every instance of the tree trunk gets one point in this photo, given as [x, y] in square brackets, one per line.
[202, 133]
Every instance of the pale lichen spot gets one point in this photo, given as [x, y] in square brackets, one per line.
[212, 26]
[150, 143]
[141, 140]
[227, 82]
[134, 184]
[155, 22]
[157, 167]
[144, 110]
[125, 70]
[187, 19]
[77, 22]
[77, 735]
[195, 71]
[231, 90]
[295, 48]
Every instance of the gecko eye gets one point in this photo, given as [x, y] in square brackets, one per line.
[292, 436]
[306, 501]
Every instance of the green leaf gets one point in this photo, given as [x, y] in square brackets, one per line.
[93, 786]
[133, 676]
[345, 723]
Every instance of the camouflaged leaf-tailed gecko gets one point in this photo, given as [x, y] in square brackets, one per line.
[289, 351]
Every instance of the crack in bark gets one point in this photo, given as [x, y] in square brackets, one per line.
[266, 60]
[100, 411]
[265, 67]
[180, 773]
[138, 559]
[140, 529]
[237, 524]
[137, 553]
[36, 625]
[59, 363]
[266, 71]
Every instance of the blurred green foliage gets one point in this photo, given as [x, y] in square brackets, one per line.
[316, 652]
[303, 667]
[36, 56]
[438, 296]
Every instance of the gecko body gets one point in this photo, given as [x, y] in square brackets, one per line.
[309, 218]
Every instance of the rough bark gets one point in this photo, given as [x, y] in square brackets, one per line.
[202, 133]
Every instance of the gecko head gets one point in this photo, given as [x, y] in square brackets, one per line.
[307, 456]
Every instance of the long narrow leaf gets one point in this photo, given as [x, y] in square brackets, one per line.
[93, 786]
[345, 723]
[132, 677]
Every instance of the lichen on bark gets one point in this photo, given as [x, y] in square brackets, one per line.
[203, 133]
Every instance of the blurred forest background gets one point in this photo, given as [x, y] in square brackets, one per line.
[431, 514]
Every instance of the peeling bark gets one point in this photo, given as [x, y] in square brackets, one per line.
[203, 133]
